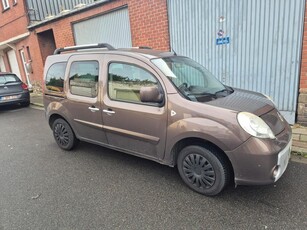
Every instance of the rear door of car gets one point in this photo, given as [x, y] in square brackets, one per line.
[83, 84]
[131, 125]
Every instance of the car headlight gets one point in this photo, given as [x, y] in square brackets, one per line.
[255, 126]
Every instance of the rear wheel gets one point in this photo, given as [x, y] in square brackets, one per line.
[204, 170]
[63, 134]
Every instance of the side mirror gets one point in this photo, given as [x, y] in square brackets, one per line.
[151, 94]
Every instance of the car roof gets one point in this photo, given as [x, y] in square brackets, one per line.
[4, 73]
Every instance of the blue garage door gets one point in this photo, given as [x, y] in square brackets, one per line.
[255, 45]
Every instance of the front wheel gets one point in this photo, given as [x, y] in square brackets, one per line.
[203, 169]
[63, 134]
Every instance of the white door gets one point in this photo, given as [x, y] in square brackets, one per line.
[2, 66]
[13, 63]
[24, 62]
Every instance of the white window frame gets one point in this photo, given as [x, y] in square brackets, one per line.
[14, 2]
[5, 4]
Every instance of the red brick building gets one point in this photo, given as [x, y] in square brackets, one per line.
[14, 37]
[37, 40]
[29, 32]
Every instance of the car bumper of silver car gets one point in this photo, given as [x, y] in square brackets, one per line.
[261, 161]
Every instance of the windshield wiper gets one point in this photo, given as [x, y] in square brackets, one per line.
[226, 90]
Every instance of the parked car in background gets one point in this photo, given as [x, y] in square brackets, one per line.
[13, 90]
[165, 108]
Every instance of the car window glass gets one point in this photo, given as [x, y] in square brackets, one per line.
[55, 77]
[83, 78]
[126, 80]
[8, 78]
[182, 71]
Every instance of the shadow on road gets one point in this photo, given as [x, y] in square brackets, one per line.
[8, 108]
[171, 175]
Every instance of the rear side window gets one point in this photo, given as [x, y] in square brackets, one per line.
[55, 77]
[8, 78]
[83, 78]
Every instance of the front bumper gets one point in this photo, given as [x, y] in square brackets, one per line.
[261, 161]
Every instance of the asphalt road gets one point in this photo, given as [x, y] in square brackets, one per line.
[43, 187]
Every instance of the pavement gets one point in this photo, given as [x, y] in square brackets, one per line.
[36, 99]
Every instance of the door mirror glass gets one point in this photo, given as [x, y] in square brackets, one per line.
[151, 94]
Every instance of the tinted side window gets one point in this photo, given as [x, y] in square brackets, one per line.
[126, 80]
[83, 78]
[55, 77]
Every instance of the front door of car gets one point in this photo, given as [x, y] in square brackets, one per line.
[83, 86]
[130, 124]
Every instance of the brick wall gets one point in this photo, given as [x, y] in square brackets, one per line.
[302, 100]
[34, 57]
[299, 142]
[148, 22]
[13, 21]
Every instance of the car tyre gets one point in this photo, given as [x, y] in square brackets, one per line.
[63, 134]
[203, 169]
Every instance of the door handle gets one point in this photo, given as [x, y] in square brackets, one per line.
[108, 111]
[93, 109]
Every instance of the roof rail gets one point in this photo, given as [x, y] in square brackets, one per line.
[82, 47]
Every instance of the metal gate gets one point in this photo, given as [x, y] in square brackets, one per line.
[255, 45]
[112, 28]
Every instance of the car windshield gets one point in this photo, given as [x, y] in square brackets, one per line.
[191, 79]
[8, 78]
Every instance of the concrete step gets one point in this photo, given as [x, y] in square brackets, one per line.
[299, 136]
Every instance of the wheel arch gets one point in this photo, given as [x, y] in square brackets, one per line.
[55, 116]
[181, 144]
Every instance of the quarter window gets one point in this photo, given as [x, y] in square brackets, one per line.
[83, 78]
[126, 80]
[55, 77]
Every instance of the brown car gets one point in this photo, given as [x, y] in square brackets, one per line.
[165, 108]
